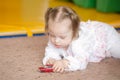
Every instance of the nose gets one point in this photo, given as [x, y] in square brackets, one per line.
[57, 39]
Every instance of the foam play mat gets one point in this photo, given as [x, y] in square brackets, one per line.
[26, 17]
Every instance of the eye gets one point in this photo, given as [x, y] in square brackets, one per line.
[62, 37]
[51, 35]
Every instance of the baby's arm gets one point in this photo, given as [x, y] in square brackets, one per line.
[77, 62]
[60, 65]
[50, 61]
[51, 55]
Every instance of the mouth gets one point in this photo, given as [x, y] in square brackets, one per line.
[58, 46]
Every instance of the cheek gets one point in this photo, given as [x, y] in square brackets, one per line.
[67, 41]
[51, 39]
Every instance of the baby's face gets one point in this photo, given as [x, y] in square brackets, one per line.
[60, 33]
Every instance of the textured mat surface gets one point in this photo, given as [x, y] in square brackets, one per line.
[21, 57]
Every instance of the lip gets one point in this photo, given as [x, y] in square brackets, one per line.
[57, 46]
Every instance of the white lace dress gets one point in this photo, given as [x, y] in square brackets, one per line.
[96, 41]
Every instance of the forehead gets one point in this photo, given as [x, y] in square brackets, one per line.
[59, 26]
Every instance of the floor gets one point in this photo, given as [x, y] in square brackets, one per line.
[21, 57]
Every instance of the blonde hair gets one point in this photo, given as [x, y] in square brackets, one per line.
[60, 13]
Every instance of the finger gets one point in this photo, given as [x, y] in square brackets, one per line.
[58, 69]
[50, 62]
[62, 70]
[55, 69]
[47, 62]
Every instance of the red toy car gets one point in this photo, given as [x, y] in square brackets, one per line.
[47, 68]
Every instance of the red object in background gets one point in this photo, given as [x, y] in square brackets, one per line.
[47, 68]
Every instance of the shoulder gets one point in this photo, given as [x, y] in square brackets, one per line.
[91, 23]
[82, 43]
[95, 25]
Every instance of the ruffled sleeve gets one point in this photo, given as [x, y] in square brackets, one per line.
[78, 62]
[51, 52]
[80, 57]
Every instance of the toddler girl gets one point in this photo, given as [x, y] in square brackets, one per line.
[72, 44]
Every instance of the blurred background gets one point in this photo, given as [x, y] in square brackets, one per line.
[26, 17]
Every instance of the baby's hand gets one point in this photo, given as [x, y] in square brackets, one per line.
[50, 61]
[60, 65]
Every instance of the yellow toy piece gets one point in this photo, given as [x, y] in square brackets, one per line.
[27, 16]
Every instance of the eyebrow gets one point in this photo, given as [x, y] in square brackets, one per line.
[59, 33]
